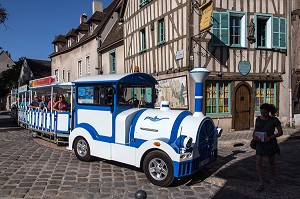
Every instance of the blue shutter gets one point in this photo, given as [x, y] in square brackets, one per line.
[275, 32]
[282, 42]
[220, 29]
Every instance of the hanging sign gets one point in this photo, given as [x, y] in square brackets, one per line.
[206, 10]
[42, 81]
[244, 67]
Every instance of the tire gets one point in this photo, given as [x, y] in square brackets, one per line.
[82, 149]
[158, 168]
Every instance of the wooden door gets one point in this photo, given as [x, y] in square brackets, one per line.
[242, 108]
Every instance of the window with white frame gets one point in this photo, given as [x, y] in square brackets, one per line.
[143, 40]
[161, 31]
[70, 41]
[91, 28]
[79, 68]
[229, 29]
[88, 66]
[263, 29]
[265, 92]
[56, 75]
[217, 97]
[56, 47]
[112, 60]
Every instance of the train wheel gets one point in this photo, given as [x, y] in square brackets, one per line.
[158, 168]
[82, 149]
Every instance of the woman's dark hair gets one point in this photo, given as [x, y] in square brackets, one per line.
[270, 108]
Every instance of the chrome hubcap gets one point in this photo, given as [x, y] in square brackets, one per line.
[158, 169]
[82, 148]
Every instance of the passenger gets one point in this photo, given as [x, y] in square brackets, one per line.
[55, 99]
[35, 103]
[43, 103]
[61, 105]
[23, 103]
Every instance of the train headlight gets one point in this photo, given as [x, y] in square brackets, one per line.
[184, 142]
[187, 142]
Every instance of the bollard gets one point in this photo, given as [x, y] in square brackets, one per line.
[140, 194]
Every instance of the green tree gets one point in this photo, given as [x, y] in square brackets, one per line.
[9, 78]
[3, 15]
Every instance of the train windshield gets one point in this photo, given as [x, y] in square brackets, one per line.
[136, 96]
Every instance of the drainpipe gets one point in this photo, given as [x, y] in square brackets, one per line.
[290, 67]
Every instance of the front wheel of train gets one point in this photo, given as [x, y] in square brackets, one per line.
[158, 168]
[82, 149]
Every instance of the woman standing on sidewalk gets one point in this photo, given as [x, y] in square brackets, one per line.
[267, 123]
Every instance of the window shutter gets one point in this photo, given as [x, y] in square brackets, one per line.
[216, 29]
[275, 32]
[225, 28]
[282, 43]
[220, 29]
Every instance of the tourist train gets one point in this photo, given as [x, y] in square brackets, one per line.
[114, 117]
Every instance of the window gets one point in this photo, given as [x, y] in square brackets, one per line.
[217, 97]
[263, 30]
[265, 92]
[69, 42]
[161, 31]
[144, 2]
[79, 68]
[56, 75]
[96, 95]
[68, 76]
[112, 61]
[91, 28]
[56, 47]
[137, 95]
[143, 40]
[229, 28]
[88, 66]
[63, 74]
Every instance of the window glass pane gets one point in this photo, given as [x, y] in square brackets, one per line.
[264, 93]
[217, 97]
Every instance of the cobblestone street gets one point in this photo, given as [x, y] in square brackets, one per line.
[34, 168]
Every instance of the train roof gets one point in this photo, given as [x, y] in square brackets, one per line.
[129, 78]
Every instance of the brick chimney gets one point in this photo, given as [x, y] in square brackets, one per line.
[83, 18]
[97, 6]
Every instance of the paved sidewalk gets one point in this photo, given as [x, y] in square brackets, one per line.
[39, 169]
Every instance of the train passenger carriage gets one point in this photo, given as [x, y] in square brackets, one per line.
[115, 119]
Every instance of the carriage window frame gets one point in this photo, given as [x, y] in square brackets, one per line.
[98, 98]
[217, 98]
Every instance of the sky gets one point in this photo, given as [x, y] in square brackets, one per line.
[32, 25]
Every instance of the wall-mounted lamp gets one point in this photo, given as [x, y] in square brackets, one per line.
[219, 74]
[267, 74]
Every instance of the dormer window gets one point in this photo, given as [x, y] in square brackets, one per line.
[56, 47]
[70, 42]
[91, 28]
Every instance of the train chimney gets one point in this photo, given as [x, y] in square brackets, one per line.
[199, 74]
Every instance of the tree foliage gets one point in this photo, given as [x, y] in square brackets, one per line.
[9, 78]
[3, 15]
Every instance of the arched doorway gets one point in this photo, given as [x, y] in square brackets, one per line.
[242, 116]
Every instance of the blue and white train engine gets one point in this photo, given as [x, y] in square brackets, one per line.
[167, 144]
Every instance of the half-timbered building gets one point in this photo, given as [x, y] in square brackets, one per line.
[246, 49]
[295, 60]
